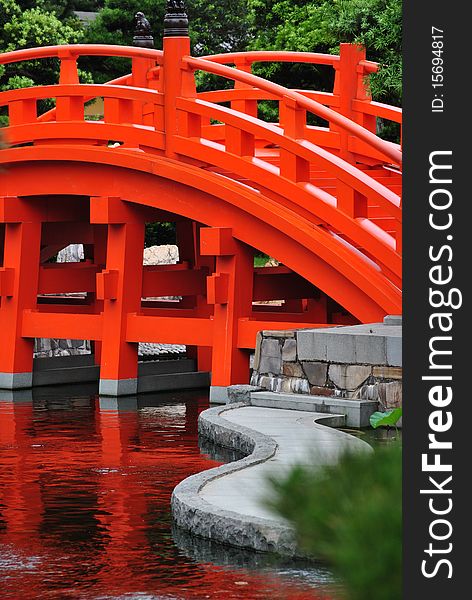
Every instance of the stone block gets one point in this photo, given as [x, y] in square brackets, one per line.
[270, 347]
[299, 386]
[311, 345]
[292, 369]
[368, 392]
[340, 348]
[264, 382]
[387, 372]
[316, 372]
[271, 357]
[393, 320]
[349, 377]
[390, 394]
[286, 386]
[270, 364]
[316, 390]
[257, 351]
[283, 333]
[394, 351]
[371, 350]
[241, 393]
[289, 350]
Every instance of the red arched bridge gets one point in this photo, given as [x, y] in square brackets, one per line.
[322, 199]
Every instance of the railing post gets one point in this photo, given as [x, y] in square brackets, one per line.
[68, 72]
[293, 167]
[178, 81]
[350, 85]
[69, 108]
[248, 107]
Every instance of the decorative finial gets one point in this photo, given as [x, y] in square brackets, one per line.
[142, 32]
[175, 20]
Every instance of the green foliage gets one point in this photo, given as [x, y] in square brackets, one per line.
[389, 418]
[214, 27]
[350, 515]
[30, 28]
[320, 25]
[158, 234]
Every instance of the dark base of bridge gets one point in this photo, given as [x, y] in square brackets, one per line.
[153, 376]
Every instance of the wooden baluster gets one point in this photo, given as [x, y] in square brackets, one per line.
[248, 107]
[22, 111]
[118, 111]
[347, 87]
[350, 201]
[190, 125]
[69, 108]
[239, 142]
[143, 113]
[294, 167]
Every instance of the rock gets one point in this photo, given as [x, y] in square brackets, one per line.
[241, 393]
[271, 358]
[291, 369]
[349, 377]
[390, 394]
[316, 372]
[289, 350]
[393, 320]
[320, 391]
[167, 254]
[71, 253]
[387, 372]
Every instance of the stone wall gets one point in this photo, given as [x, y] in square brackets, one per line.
[362, 362]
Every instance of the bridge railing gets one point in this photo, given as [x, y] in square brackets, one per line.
[350, 95]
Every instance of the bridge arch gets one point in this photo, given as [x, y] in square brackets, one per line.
[349, 278]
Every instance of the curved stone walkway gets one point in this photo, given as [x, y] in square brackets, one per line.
[300, 440]
[227, 504]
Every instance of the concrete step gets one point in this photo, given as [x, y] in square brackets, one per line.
[350, 413]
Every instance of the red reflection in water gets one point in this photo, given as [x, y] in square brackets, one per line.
[84, 504]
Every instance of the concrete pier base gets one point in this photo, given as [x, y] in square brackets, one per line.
[118, 387]
[153, 376]
[15, 381]
[218, 394]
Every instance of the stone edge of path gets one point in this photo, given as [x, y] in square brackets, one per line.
[201, 518]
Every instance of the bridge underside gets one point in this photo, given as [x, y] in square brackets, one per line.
[224, 302]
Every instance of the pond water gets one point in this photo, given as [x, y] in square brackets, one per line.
[85, 489]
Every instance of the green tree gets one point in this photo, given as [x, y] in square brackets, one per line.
[214, 27]
[320, 25]
[350, 514]
[22, 27]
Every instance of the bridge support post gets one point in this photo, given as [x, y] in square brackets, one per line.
[18, 289]
[188, 241]
[350, 85]
[230, 289]
[100, 234]
[120, 287]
